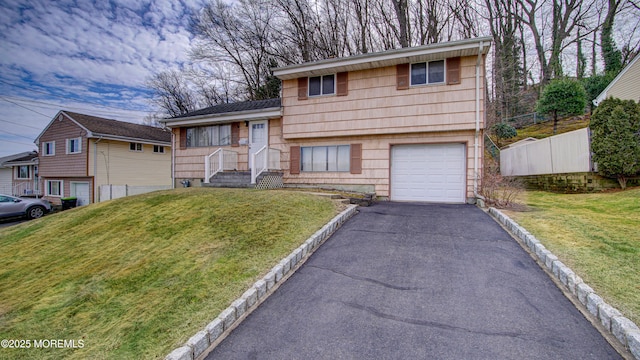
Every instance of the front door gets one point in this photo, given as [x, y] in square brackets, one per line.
[81, 191]
[258, 135]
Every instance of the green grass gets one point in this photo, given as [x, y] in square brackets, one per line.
[597, 235]
[136, 277]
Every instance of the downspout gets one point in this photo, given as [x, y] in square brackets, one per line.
[95, 170]
[173, 159]
[476, 152]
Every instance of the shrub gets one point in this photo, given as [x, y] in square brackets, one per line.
[497, 190]
[562, 97]
[503, 131]
[615, 139]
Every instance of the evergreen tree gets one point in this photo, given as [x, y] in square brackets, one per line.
[615, 139]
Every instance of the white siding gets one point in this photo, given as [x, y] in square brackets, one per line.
[560, 154]
[5, 181]
[434, 173]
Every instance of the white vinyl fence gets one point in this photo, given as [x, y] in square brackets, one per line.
[565, 153]
[109, 192]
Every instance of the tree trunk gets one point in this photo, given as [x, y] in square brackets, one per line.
[401, 7]
[622, 180]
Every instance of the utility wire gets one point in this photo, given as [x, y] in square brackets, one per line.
[54, 95]
[123, 114]
[17, 142]
[10, 133]
[15, 123]
[24, 107]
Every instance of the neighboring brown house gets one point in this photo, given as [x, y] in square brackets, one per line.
[79, 153]
[20, 175]
[406, 124]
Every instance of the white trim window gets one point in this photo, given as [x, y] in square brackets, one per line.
[23, 172]
[325, 158]
[49, 148]
[53, 188]
[137, 147]
[213, 135]
[431, 72]
[322, 85]
[74, 146]
[158, 149]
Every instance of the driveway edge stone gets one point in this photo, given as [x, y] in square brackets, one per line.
[621, 328]
[205, 340]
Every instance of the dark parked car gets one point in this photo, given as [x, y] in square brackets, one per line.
[11, 206]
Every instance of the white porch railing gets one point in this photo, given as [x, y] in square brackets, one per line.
[218, 161]
[24, 188]
[263, 160]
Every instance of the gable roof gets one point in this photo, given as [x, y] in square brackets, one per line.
[6, 159]
[26, 158]
[224, 113]
[632, 69]
[438, 51]
[97, 127]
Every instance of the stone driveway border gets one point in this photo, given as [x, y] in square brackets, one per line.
[623, 329]
[205, 340]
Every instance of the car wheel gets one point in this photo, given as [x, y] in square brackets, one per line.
[35, 212]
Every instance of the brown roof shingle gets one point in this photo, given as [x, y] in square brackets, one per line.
[101, 126]
[235, 107]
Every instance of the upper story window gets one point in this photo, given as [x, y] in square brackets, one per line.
[322, 85]
[49, 148]
[214, 135]
[74, 145]
[159, 149]
[135, 147]
[23, 172]
[325, 158]
[431, 72]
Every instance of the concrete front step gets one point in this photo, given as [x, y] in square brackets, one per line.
[242, 179]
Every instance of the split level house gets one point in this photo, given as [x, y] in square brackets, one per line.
[405, 124]
[79, 153]
[19, 175]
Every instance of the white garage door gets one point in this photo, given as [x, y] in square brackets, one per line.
[81, 191]
[433, 173]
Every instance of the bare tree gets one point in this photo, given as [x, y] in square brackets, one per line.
[467, 18]
[565, 16]
[239, 35]
[612, 56]
[401, 8]
[297, 29]
[361, 12]
[171, 93]
[508, 71]
[429, 21]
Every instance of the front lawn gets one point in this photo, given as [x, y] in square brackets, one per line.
[136, 277]
[597, 235]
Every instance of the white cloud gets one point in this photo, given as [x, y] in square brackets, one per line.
[101, 52]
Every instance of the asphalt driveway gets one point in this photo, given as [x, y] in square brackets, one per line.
[410, 281]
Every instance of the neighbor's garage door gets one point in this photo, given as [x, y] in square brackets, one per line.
[434, 173]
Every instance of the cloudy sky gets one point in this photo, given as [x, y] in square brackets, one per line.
[88, 56]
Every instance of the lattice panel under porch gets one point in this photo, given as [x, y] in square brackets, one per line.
[270, 182]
